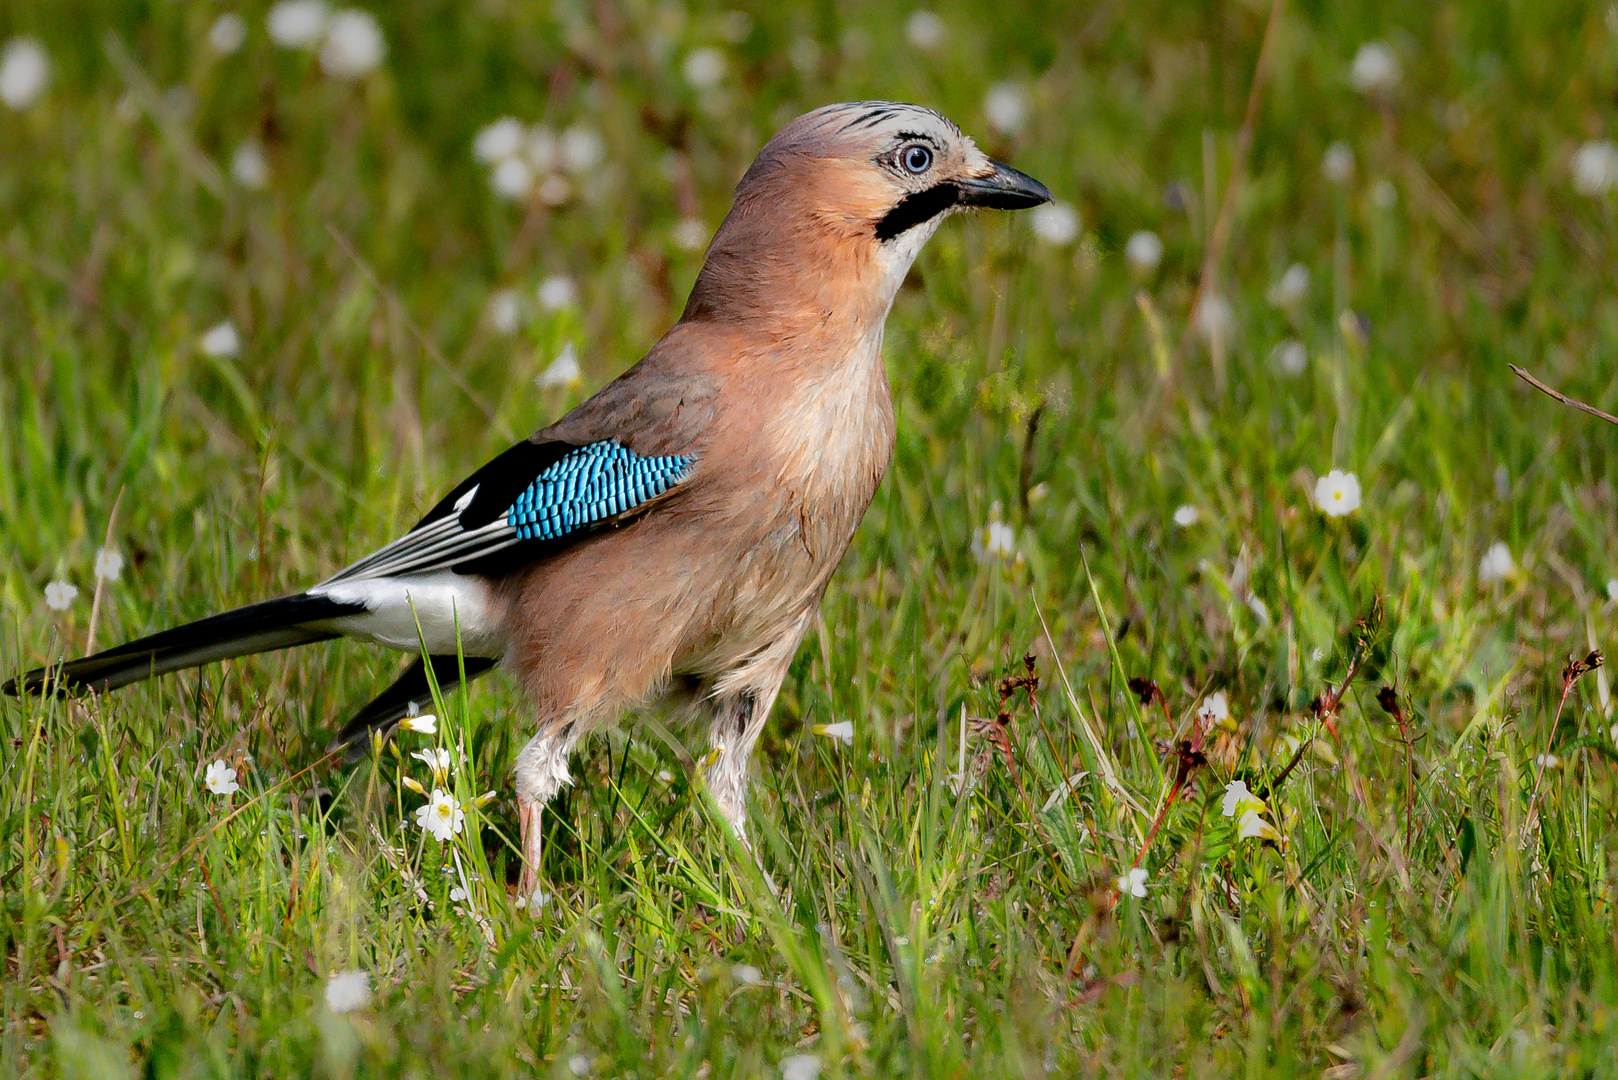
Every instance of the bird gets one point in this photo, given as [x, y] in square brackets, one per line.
[668, 540]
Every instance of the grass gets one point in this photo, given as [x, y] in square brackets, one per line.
[1436, 906]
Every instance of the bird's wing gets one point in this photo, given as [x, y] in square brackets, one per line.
[534, 498]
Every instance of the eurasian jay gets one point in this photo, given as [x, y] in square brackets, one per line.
[673, 535]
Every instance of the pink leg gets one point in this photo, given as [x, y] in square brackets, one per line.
[541, 773]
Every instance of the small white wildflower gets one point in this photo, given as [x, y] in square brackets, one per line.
[1055, 223]
[421, 724]
[354, 46]
[1186, 516]
[1132, 883]
[348, 991]
[220, 779]
[1315, 656]
[1595, 167]
[1290, 357]
[800, 1067]
[1375, 69]
[512, 178]
[298, 24]
[925, 30]
[1612, 588]
[1215, 708]
[705, 68]
[557, 292]
[442, 817]
[1548, 761]
[1253, 824]
[504, 312]
[578, 1065]
[1337, 493]
[24, 71]
[1384, 194]
[564, 370]
[109, 564]
[59, 595]
[227, 33]
[691, 234]
[746, 974]
[1006, 106]
[1496, 564]
[842, 731]
[554, 190]
[435, 758]
[1213, 317]
[1143, 251]
[1337, 164]
[221, 340]
[580, 149]
[457, 895]
[664, 776]
[500, 140]
[996, 540]
[1236, 794]
[249, 167]
[1291, 288]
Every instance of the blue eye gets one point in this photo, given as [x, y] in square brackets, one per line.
[917, 160]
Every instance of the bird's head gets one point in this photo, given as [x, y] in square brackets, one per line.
[837, 206]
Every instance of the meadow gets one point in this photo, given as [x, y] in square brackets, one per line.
[1315, 774]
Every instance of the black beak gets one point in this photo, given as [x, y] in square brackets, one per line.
[1003, 189]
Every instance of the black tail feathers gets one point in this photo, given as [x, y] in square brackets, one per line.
[261, 627]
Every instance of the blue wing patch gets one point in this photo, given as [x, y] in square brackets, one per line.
[590, 485]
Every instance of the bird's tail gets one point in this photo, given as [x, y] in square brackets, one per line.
[271, 624]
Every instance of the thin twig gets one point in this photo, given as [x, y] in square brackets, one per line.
[1559, 396]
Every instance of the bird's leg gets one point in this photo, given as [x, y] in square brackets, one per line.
[541, 773]
[738, 718]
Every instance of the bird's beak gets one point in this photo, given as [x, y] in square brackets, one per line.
[1002, 189]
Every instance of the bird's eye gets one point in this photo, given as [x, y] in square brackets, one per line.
[917, 159]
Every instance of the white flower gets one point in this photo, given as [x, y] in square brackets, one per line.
[227, 33]
[59, 595]
[221, 779]
[564, 370]
[1006, 106]
[249, 168]
[1612, 588]
[1384, 194]
[1236, 795]
[800, 1067]
[996, 540]
[347, 991]
[1055, 223]
[1496, 564]
[1290, 357]
[842, 731]
[354, 45]
[512, 178]
[1595, 168]
[1292, 287]
[1375, 69]
[1337, 493]
[442, 817]
[24, 71]
[436, 759]
[1215, 708]
[691, 234]
[424, 724]
[504, 312]
[109, 564]
[1337, 165]
[222, 340]
[1186, 516]
[578, 1065]
[457, 895]
[499, 140]
[1143, 251]
[925, 30]
[1253, 824]
[557, 292]
[1548, 761]
[580, 149]
[704, 68]
[746, 974]
[554, 190]
[1315, 656]
[1132, 883]
[1213, 317]
[664, 776]
[298, 24]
